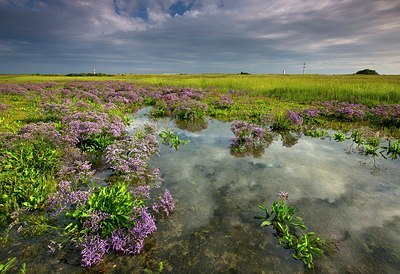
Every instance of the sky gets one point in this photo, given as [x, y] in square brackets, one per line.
[199, 36]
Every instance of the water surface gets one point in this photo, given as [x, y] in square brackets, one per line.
[213, 231]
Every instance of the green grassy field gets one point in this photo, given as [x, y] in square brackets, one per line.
[367, 89]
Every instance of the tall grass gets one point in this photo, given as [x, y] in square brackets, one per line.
[367, 89]
[370, 90]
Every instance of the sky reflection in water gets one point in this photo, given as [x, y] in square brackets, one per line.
[217, 196]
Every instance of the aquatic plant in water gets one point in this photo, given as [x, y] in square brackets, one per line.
[392, 150]
[316, 133]
[281, 217]
[339, 137]
[171, 139]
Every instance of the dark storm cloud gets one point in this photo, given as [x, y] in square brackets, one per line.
[199, 36]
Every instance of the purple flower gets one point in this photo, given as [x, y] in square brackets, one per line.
[295, 118]
[122, 241]
[224, 102]
[283, 195]
[145, 225]
[167, 202]
[142, 191]
[93, 250]
[94, 219]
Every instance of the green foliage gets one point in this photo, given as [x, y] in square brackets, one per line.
[357, 137]
[27, 172]
[171, 139]
[371, 147]
[159, 270]
[281, 123]
[307, 248]
[96, 144]
[160, 109]
[281, 218]
[367, 72]
[116, 202]
[190, 110]
[339, 137]
[392, 150]
[7, 265]
[316, 133]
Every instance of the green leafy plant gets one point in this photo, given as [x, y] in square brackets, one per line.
[171, 139]
[160, 109]
[339, 137]
[371, 147]
[27, 172]
[357, 137]
[392, 150]
[111, 206]
[280, 123]
[281, 218]
[316, 133]
[307, 248]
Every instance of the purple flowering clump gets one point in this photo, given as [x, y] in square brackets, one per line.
[57, 201]
[295, 118]
[387, 115]
[82, 126]
[131, 241]
[123, 241]
[66, 197]
[310, 113]
[55, 111]
[167, 202]
[190, 110]
[12, 89]
[93, 250]
[46, 131]
[345, 110]
[247, 134]
[144, 227]
[224, 102]
[94, 220]
[142, 192]
[129, 157]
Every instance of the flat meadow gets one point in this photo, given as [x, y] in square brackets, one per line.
[139, 173]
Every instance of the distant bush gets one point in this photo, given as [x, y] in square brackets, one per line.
[367, 71]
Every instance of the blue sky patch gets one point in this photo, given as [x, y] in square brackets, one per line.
[179, 8]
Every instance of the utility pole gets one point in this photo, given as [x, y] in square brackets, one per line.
[94, 70]
[304, 67]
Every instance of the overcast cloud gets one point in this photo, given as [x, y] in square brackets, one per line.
[193, 36]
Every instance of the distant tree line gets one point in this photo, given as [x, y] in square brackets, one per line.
[88, 74]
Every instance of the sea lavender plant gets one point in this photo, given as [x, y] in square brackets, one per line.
[166, 202]
[224, 102]
[248, 138]
[295, 118]
[129, 157]
[93, 250]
